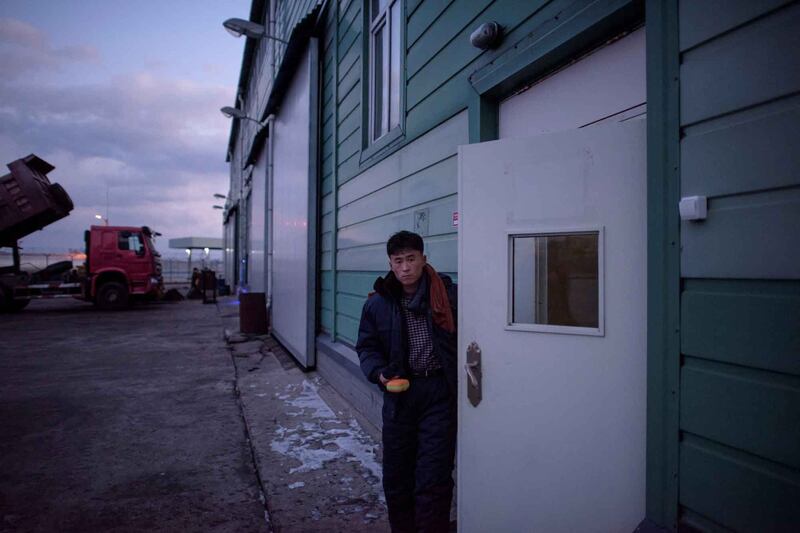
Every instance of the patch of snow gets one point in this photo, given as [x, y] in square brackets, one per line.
[297, 485]
[309, 399]
[307, 442]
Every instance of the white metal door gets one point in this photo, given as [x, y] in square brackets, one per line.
[558, 441]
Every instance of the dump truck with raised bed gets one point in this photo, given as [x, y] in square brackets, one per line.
[121, 261]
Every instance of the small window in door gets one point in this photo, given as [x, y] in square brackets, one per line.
[556, 282]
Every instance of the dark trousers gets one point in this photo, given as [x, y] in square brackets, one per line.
[419, 442]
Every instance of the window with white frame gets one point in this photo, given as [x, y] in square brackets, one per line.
[557, 282]
[384, 66]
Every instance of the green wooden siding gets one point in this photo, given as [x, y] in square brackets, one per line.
[760, 317]
[382, 200]
[327, 175]
[735, 488]
[739, 383]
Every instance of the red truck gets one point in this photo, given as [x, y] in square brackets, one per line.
[121, 262]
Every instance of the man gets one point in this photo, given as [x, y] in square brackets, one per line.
[408, 330]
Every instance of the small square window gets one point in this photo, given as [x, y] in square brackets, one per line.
[556, 282]
[131, 242]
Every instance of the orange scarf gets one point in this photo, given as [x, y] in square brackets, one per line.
[440, 303]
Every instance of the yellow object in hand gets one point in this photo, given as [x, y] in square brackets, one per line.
[397, 385]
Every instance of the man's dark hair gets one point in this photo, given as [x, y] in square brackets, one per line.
[404, 240]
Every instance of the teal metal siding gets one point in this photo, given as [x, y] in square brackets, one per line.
[378, 193]
[663, 261]
[381, 201]
[327, 177]
[740, 301]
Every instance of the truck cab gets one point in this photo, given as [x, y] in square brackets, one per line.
[121, 262]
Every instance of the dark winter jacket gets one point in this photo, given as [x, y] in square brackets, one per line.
[382, 336]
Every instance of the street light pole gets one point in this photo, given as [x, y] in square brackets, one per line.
[106, 203]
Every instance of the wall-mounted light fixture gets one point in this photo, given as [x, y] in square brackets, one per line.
[232, 112]
[248, 28]
[487, 36]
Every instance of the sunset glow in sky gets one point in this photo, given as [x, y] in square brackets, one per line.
[123, 96]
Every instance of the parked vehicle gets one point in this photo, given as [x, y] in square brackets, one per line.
[121, 261]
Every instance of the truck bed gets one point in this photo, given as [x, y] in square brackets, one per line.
[28, 201]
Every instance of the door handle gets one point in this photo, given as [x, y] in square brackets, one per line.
[474, 374]
[470, 374]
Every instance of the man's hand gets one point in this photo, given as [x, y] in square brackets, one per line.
[384, 381]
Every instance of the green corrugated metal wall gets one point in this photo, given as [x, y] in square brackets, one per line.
[329, 47]
[289, 13]
[739, 447]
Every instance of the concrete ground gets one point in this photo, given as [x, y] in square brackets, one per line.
[146, 419]
[122, 421]
[318, 459]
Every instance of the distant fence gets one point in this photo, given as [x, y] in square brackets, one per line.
[173, 270]
[33, 261]
[178, 270]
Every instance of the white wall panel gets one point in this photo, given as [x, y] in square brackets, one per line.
[617, 84]
[291, 304]
[258, 209]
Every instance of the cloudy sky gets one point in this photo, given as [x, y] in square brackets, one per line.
[122, 97]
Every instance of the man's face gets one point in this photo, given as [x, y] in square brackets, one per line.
[407, 266]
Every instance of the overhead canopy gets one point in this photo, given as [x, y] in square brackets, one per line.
[198, 243]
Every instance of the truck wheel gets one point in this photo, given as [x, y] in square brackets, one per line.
[5, 300]
[112, 295]
[8, 304]
[19, 305]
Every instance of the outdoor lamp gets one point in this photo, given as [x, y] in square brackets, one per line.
[232, 112]
[239, 27]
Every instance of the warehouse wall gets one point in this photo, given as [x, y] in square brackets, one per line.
[260, 65]
[740, 268]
